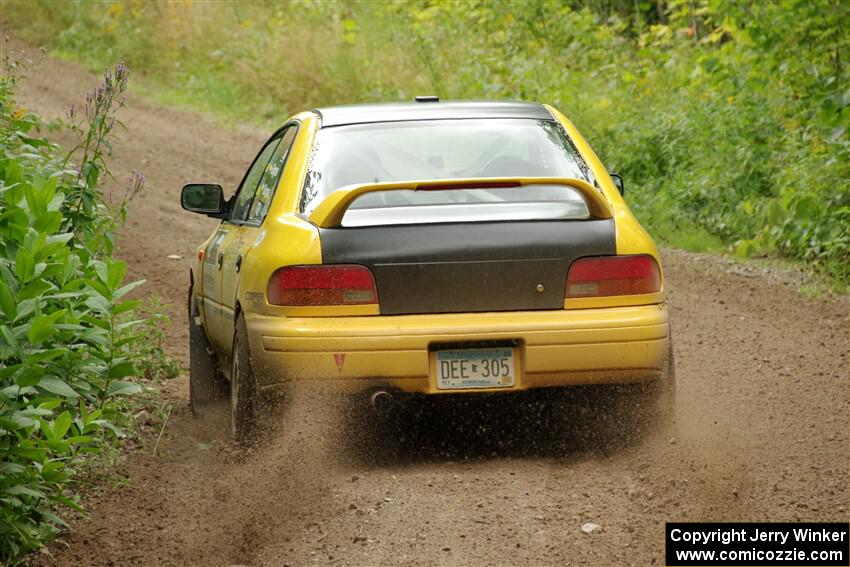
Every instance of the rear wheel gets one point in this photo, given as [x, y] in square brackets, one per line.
[244, 393]
[205, 382]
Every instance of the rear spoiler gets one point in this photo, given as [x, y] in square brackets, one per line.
[330, 212]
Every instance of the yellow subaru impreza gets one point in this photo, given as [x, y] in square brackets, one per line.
[434, 248]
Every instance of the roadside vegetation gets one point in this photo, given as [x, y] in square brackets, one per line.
[72, 345]
[728, 119]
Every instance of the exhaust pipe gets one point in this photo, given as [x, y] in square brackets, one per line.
[382, 401]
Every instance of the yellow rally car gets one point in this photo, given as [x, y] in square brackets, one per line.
[438, 248]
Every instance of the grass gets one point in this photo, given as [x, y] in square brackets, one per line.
[221, 103]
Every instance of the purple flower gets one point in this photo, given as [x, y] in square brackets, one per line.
[136, 183]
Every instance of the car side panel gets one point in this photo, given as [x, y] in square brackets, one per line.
[210, 282]
[196, 277]
[284, 238]
[632, 238]
[282, 241]
[227, 289]
[234, 250]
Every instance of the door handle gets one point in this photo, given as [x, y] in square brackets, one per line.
[238, 263]
[220, 260]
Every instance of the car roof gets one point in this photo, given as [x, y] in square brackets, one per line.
[400, 111]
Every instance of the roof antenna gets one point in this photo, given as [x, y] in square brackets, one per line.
[427, 98]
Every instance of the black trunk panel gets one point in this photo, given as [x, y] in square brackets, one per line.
[455, 268]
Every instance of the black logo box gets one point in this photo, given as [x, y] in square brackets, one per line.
[791, 543]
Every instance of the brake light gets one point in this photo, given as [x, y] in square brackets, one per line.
[322, 285]
[613, 275]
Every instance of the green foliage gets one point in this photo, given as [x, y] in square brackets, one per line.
[728, 118]
[67, 330]
[154, 363]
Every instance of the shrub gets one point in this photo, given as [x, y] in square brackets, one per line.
[67, 331]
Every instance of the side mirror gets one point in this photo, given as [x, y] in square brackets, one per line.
[204, 198]
[618, 181]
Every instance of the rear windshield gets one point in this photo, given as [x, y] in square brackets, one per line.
[447, 149]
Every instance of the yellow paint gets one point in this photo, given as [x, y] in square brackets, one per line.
[614, 300]
[556, 347]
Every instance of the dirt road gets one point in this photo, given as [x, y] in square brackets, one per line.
[761, 433]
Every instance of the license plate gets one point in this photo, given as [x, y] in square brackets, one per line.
[475, 368]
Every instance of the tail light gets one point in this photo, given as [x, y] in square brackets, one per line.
[613, 275]
[322, 285]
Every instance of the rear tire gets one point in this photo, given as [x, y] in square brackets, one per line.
[244, 402]
[206, 384]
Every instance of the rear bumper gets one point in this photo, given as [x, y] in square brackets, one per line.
[554, 348]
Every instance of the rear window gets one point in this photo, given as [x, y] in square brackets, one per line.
[447, 149]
